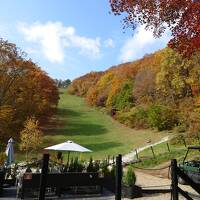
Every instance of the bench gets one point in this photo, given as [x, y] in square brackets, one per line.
[60, 181]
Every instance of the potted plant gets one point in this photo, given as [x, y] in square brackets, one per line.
[129, 189]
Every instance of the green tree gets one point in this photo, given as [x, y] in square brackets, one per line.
[161, 117]
[124, 98]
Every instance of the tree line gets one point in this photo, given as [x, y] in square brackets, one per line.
[25, 91]
[62, 83]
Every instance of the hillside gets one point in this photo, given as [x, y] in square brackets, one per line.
[91, 128]
[159, 91]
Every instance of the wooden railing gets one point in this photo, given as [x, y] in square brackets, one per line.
[175, 190]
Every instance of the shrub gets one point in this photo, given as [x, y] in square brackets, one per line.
[178, 139]
[75, 165]
[125, 118]
[101, 99]
[135, 118]
[140, 120]
[104, 167]
[161, 117]
[180, 128]
[96, 166]
[78, 166]
[93, 166]
[194, 124]
[129, 177]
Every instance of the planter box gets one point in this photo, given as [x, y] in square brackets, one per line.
[131, 191]
[109, 183]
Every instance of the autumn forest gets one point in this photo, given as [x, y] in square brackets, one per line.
[160, 91]
[26, 91]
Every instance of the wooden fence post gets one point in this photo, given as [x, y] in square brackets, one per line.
[168, 147]
[118, 186]
[136, 153]
[43, 178]
[184, 142]
[153, 152]
[174, 179]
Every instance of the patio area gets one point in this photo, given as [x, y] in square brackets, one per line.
[10, 194]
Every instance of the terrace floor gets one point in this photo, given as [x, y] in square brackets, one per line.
[10, 194]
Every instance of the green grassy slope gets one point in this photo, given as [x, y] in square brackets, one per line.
[93, 129]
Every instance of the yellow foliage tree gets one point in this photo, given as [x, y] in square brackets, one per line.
[30, 136]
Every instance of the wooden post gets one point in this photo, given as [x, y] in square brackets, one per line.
[198, 138]
[136, 153]
[118, 186]
[43, 178]
[174, 179]
[168, 147]
[184, 142]
[153, 152]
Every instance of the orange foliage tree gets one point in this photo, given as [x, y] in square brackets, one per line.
[182, 17]
[25, 90]
[81, 85]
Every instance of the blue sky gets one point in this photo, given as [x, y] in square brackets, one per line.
[68, 38]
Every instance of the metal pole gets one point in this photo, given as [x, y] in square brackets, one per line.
[118, 187]
[174, 179]
[43, 179]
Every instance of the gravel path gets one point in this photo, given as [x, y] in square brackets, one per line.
[148, 181]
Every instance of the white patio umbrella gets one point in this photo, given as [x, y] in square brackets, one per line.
[68, 146]
[10, 151]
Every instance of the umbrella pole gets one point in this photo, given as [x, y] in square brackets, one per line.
[68, 159]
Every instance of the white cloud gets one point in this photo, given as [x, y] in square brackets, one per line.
[141, 43]
[109, 43]
[53, 38]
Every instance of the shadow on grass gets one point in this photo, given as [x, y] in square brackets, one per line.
[82, 130]
[103, 146]
[62, 127]
[64, 113]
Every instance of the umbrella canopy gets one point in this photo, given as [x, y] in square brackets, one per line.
[68, 146]
[10, 151]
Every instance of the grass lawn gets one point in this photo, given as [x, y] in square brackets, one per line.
[93, 129]
[88, 126]
[162, 154]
